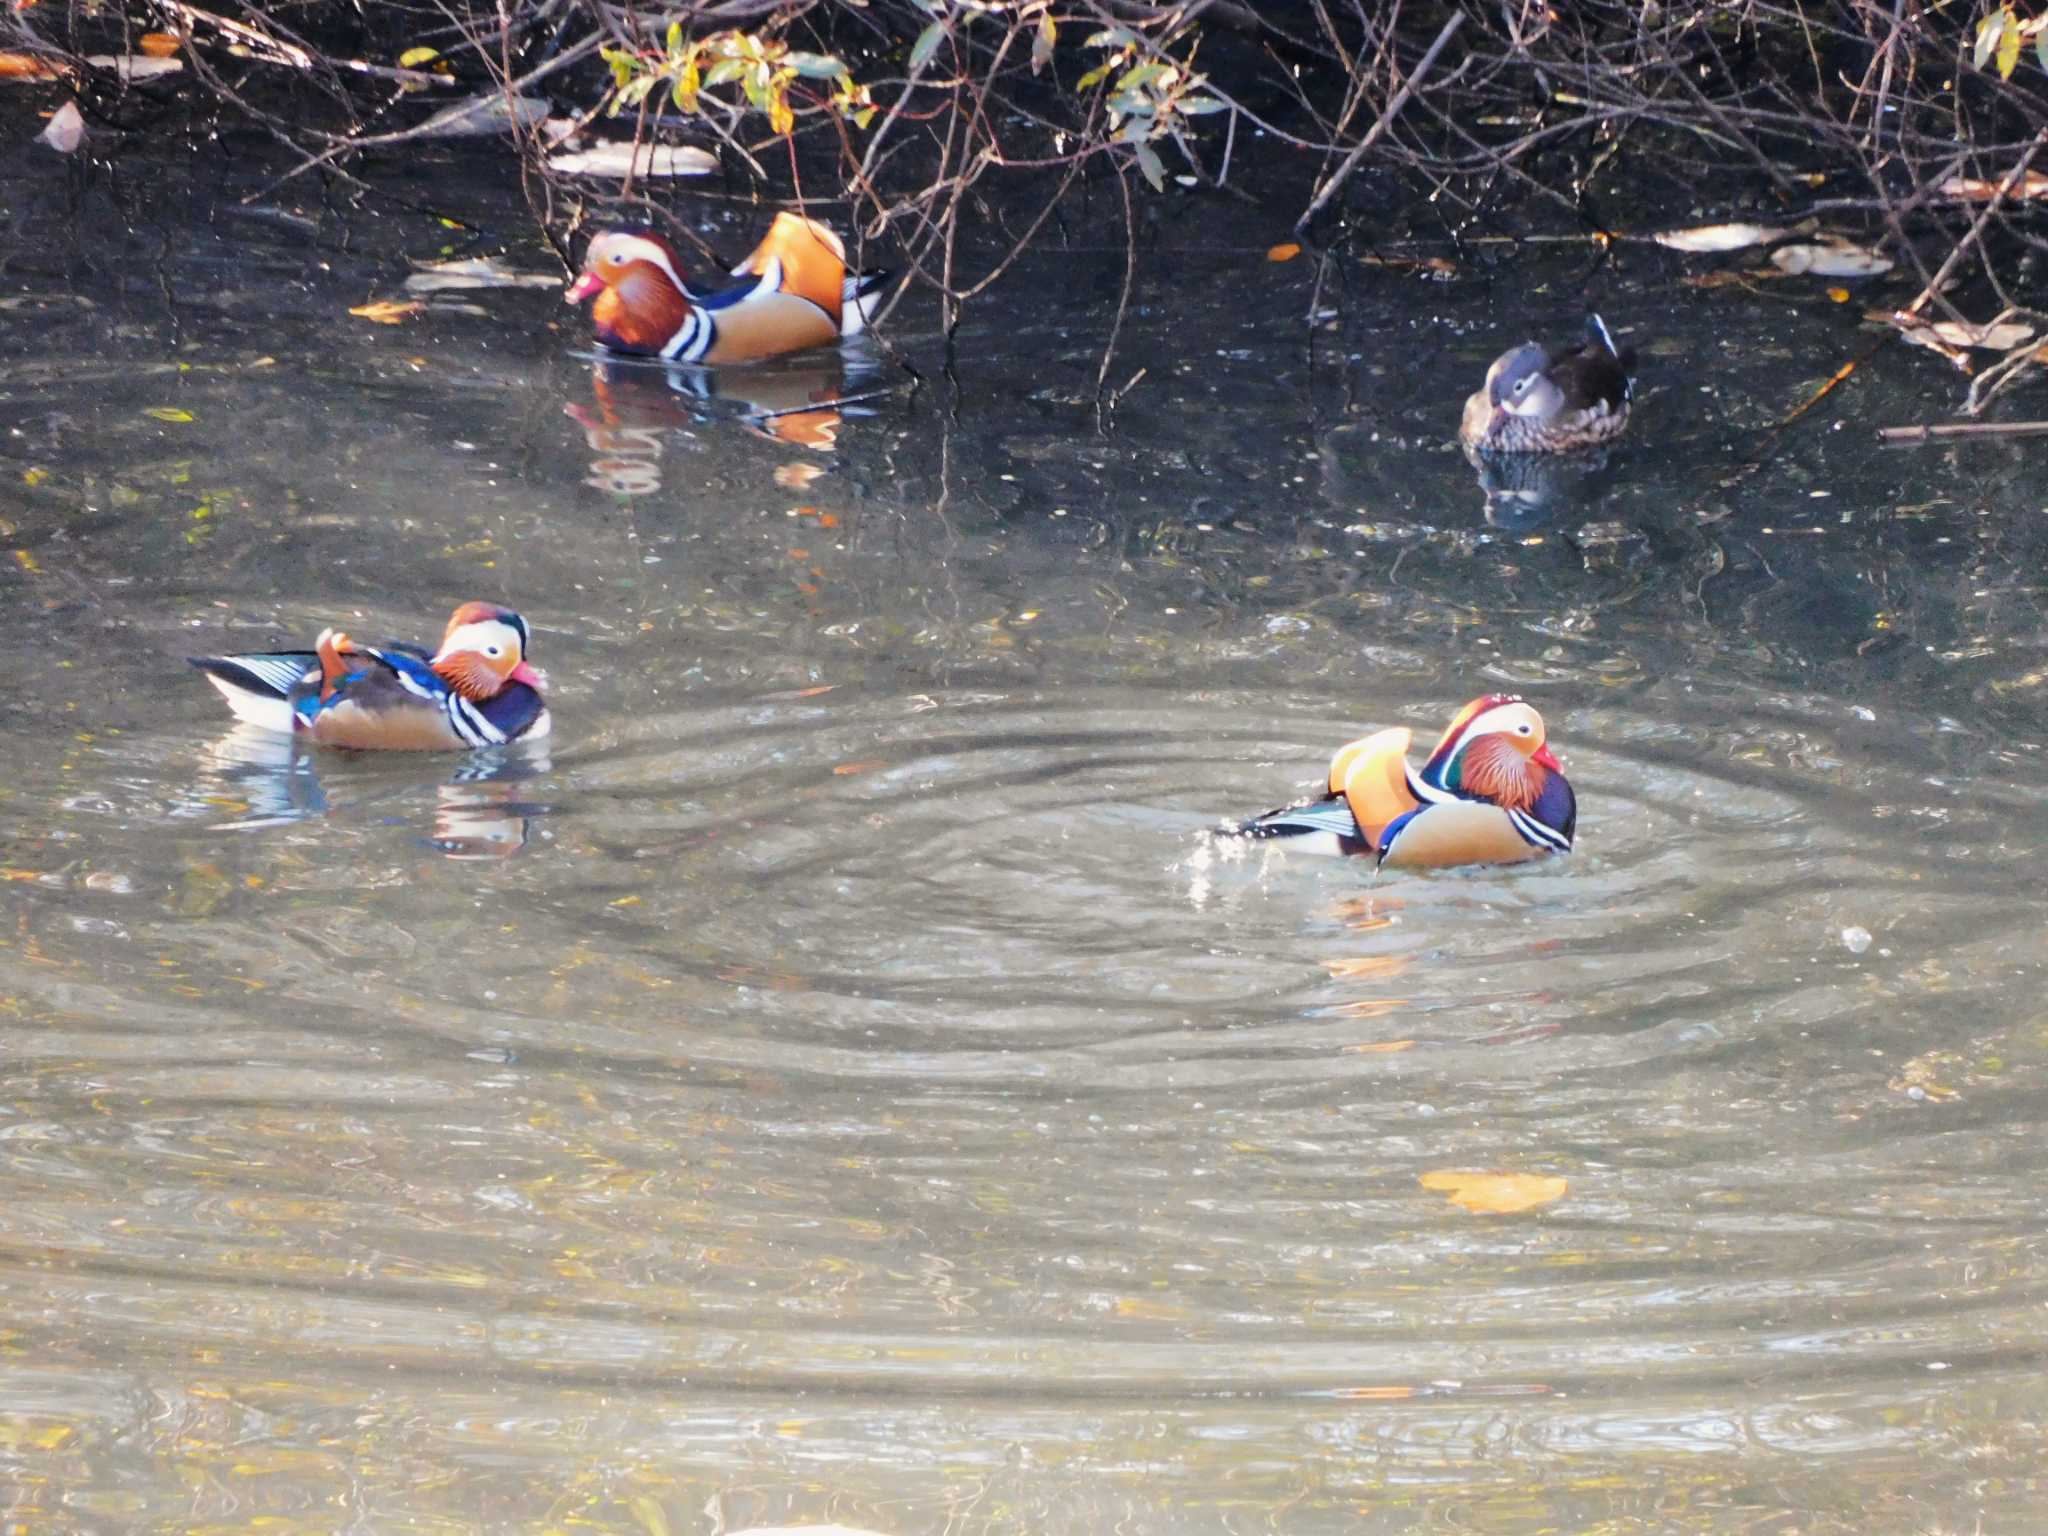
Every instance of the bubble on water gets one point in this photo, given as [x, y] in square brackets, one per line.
[1856, 940]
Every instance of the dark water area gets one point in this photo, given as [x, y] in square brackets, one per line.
[838, 1079]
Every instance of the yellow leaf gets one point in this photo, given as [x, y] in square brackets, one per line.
[27, 562]
[1492, 1194]
[34, 476]
[2009, 45]
[413, 58]
[1839, 295]
[1286, 251]
[386, 311]
[168, 413]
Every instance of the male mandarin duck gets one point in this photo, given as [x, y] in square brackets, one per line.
[794, 292]
[1491, 793]
[475, 691]
[1540, 399]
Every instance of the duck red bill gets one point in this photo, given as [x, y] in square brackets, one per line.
[1542, 754]
[584, 286]
[533, 679]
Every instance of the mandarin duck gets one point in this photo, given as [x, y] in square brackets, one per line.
[1491, 793]
[475, 691]
[794, 292]
[1539, 399]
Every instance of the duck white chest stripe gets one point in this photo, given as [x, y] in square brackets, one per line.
[469, 724]
[1536, 833]
[697, 336]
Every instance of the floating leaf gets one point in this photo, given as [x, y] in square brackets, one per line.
[158, 45]
[168, 413]
[1379, 1047]
[926, 45]
[794, 477]
[65, 130]
[618, 157]
[847, 770]
[482, 115]
[135, 66]
[413, 58]
[1839, 295]
[476, 272]
[386, 311]
[1366, 967]
[1287, 250]
[1972, 189]
[1716, 237]
[1834, 258]
[1494, 1194]
[27, 66]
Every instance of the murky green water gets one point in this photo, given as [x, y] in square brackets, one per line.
[839, 1080]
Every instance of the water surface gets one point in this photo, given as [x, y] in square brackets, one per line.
[840, 1079]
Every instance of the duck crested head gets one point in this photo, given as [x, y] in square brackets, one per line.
[1496, 748]
[483, 652]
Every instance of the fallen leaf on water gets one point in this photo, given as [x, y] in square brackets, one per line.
[1371, 1007]
[1969, 189]
[1731, 279]
[1366, 967]
[66, 129]
[1494, 1194]
[34, 475]
[1988, 338]
[1286, 251]
[843, 770]
[1839, 295]
[1379, 1047]
[1435, 266]
[1832, 258]
[1717, 237]
[168, 413]
[158, 45]
[135, 66]
[1374, 1394]
[27, 66]
[476, 272]
[794, 477]
[1923, 1076]
[618, 157]
[481, 115]
[812, 693]
[386, 311]
[27, 562]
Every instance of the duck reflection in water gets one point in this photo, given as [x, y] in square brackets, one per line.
[800, 402]
[270, 779]
[1525, 491]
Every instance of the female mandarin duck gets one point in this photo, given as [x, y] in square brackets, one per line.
[476, 691]
[795, 292]
[1543, 400]
[1491, 793]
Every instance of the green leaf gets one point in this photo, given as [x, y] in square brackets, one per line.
[1094, 77]
[1195, 106]
[755, 84]
[926, 45]
[814, 66]
[2041, 47]
[621, 63]
[2009, 46]
[863, 117]
[675, 39]
[724, 72]
[1140, 74]
[168, 413]
[1112, 37]
[1148, 162]
[1988, 31]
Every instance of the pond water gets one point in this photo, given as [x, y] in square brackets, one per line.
[839, 1079]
